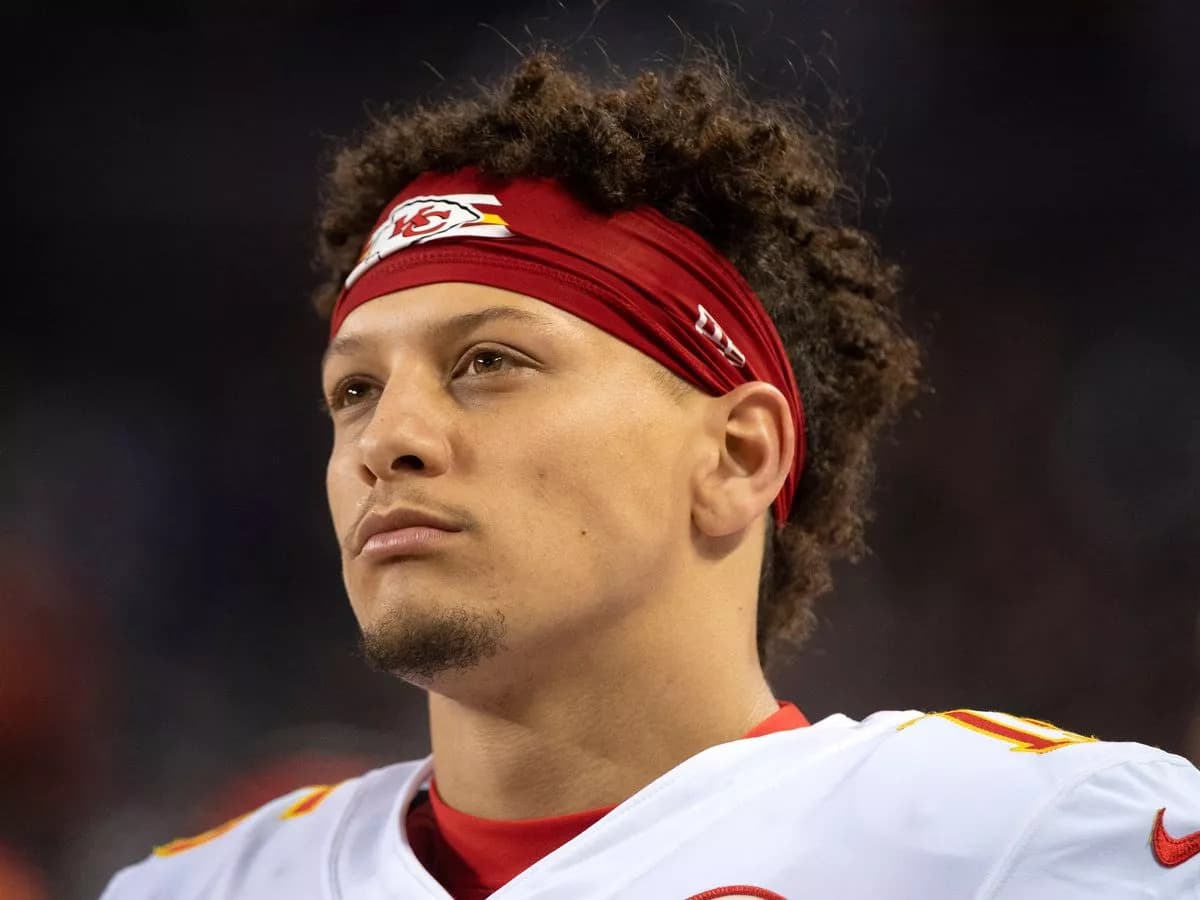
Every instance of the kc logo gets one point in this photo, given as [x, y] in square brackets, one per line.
[418, 220]
[425, 220]
[719, 337]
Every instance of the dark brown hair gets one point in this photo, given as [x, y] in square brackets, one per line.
[760, 182]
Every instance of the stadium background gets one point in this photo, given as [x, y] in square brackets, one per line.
[175, 645]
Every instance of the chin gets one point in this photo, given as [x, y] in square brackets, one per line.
[420, 643]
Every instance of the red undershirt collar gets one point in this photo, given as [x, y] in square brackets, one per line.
[472, 857]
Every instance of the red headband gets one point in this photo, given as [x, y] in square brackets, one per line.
[645, 279]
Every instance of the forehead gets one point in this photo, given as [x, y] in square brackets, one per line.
[444, 310]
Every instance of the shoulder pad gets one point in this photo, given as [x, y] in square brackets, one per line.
[968, 780]
[244, 856]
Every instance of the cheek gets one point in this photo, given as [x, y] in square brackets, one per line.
[343, 490]
[597, 488]
[633, 477]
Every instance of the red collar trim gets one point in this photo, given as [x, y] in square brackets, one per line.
[787, 718]
[477, 854]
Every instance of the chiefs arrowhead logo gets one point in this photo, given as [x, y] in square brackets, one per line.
[421, 222]
[421, 219]
[738, 892]
[1171, 851]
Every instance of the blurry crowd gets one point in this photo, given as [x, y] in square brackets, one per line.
[176, 647]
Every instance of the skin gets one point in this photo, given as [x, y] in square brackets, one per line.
[592, 625]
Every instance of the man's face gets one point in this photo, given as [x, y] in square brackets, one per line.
[546, 441]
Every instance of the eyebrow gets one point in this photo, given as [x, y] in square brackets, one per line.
[445, 329]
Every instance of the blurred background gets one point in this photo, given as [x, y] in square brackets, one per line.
[175, 644]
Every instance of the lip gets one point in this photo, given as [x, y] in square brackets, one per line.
[403, 541]
[400, 530]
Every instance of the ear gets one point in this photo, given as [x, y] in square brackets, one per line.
[756, 441]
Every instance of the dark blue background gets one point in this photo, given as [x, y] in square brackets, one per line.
[174, 616]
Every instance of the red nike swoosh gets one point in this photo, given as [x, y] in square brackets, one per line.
[1172, 851]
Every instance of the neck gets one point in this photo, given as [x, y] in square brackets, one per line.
[604, 720]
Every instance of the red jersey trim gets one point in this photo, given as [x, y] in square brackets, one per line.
[468, 854]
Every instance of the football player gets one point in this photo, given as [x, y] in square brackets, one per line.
[605, 374]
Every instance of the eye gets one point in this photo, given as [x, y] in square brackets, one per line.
[483, 361]
[348, 392]
[479, 362]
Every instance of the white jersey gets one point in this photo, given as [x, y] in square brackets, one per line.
[945, 806]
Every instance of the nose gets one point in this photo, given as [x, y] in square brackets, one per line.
[407, 433]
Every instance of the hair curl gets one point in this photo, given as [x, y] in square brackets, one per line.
[761, 183]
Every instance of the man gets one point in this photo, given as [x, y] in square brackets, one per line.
[605, 374]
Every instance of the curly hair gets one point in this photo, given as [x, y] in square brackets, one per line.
[761, 183]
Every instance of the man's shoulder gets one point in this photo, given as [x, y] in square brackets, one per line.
[266, 850]
[1012, 807]
[940, 772]
[976, 756]
[1027, 800]
[1072, 816]
[985, 749]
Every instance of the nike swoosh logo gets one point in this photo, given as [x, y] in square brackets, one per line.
[1172, 851]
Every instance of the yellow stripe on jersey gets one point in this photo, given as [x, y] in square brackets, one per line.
[1014, 730]
[312, 798]
[308, 802]
[181, 844]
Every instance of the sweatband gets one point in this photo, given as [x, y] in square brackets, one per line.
[645, 279]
